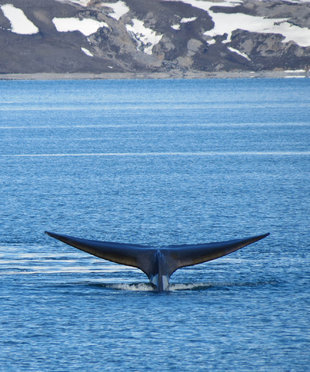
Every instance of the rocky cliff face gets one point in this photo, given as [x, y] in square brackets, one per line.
[153, 35]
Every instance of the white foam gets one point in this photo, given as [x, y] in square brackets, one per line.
[132, 287]
[119, 9]
[188, 286]
[20, 24]
[145, 37]
[86, 26]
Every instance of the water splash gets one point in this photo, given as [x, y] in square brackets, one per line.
[148, 287]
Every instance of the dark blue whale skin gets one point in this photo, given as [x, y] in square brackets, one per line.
[157, 263]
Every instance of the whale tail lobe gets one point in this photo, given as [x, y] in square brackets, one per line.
[157, 263]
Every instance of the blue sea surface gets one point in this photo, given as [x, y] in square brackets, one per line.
[155, 162]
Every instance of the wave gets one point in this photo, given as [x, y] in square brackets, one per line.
[176, 287]
[157, 125]
[164, 154]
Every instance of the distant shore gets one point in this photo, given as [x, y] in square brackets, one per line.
[157, 75]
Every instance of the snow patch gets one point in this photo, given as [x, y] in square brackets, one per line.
[240, 53]
[87, 52]
[294, 74]
[206, 5]
[188, 20]
[294, 71]
[227, 23]
[80, 2]
[85, 26]
[299, 35]
[119, 9]
[176, 27]
[20, 24]
[145, 37]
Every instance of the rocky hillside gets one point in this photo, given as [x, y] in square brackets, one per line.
[153, 35]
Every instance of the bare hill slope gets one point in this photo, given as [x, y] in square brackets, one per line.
[153, 35]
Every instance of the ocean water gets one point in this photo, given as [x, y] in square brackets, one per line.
[156, 163]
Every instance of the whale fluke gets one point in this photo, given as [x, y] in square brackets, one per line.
[157, 263]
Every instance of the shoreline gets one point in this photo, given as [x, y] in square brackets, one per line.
[156, 75]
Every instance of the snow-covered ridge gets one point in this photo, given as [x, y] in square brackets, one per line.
[172, 38]
[227, 23]
[20, 24]
[85, 26]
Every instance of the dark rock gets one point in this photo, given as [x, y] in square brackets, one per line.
[181, 28]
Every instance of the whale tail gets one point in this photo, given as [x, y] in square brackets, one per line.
[157, 263]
